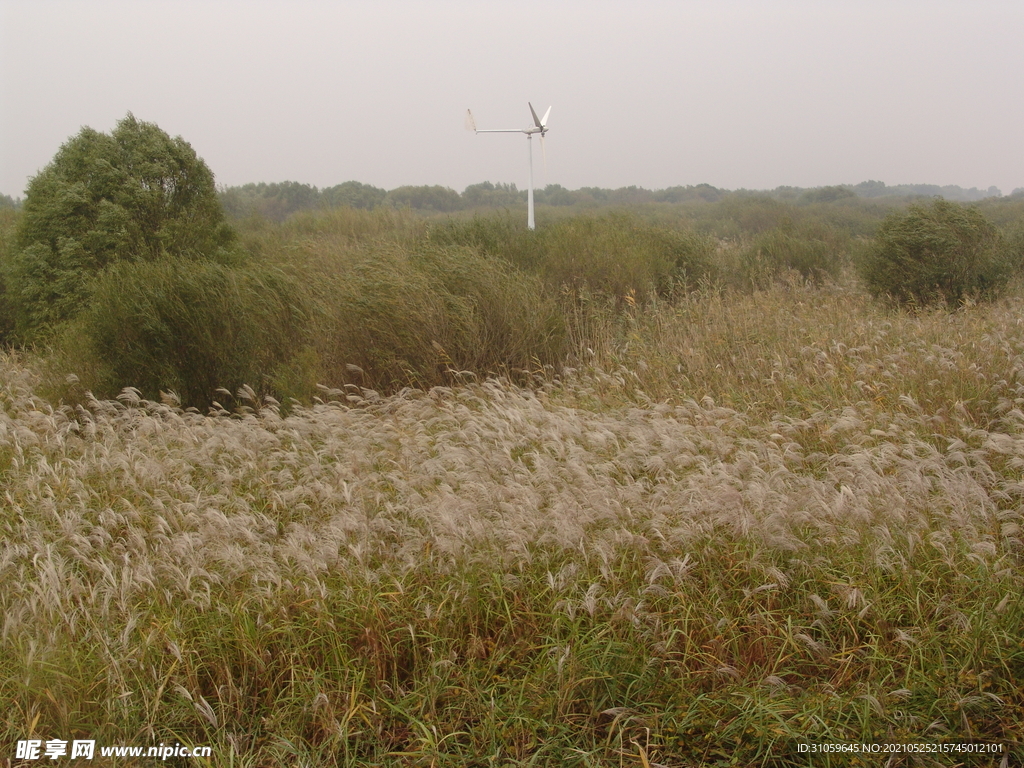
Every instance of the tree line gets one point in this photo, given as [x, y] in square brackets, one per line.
[276, 201]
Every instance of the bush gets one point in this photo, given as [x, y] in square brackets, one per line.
[133, 194]
[942, 253]
[389, 316]
[614, 254]
[621, 255]
[186, 326]
[8, 226]
[814, 250]
[501, 234]
[742, 215]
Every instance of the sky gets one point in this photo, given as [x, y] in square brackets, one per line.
[654, 93]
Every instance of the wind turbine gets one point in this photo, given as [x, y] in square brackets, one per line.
[540, 125]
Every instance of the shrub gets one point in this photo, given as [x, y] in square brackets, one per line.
[740, 215]
[389, 316]
[614, 254]
[133, 194]
[812, 249]
[8, 225]
[501, 317]
[621, 255]
[502, 235]
[186, 326]
[826, 194]
[942, 253]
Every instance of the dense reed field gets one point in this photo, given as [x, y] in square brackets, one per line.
[731, 523]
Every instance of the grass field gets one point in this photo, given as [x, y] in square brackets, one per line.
[736, 522]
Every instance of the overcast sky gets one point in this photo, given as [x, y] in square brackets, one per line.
[734, 93]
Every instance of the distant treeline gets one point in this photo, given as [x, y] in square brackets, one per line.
[278, 200]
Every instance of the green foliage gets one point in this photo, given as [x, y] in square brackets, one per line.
[701, 192]
[425, 198]
[327, 302]
[186, 326]
[281, 200]
[488, 575]
[387, 298]
[746, 521]
[8, 226]
[1005, 212]
[133, 194]
[336, 226]
[950, 191]
[275, 202]
[814, 250]
[555, 194]
[389, 316]
[492, 195]
[745, 215]
[353, 194]
[503, 235]
[613, 254]
[621, 255]
[827, 194]
[942, 253]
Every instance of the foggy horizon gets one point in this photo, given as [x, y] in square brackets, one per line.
[737, 95]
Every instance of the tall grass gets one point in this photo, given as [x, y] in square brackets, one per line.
[614, 254]
[389, 317]
[796, 348]
[746, 521]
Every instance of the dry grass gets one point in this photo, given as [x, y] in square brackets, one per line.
[744, 522]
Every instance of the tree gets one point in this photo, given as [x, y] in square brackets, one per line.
[274, 202]
[425, 198]
[491, 195]
[354, 194]
[133, 194]
[827, 194]
[942, 253]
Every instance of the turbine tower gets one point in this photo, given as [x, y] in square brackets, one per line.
[540, 125]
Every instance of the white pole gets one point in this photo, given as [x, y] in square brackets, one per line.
[529, 194]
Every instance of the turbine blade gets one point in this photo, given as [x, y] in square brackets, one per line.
[470, 122]
[536, 120]
[544, 152]
[544, 120]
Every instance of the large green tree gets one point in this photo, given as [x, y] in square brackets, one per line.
[132, 194]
